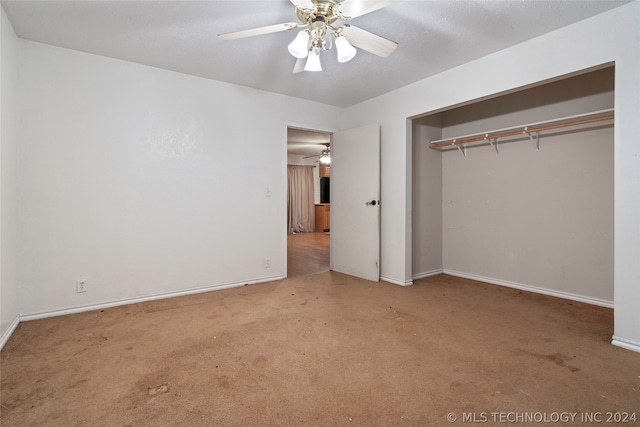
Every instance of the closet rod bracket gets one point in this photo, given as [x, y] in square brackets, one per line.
[463, 149]
[493, 142]
[535, 140]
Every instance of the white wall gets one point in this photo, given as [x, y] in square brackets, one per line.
[613, 36]
[9, 310]
[144, 181]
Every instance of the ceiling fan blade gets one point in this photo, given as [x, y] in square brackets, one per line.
[259, 31]
[368, 41]
[304, 4]
[308, 157]
[299, 67]
[354, 8]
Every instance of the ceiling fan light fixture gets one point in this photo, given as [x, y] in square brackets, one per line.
[313, 62]
[345, 50]
[299, 47]
[317, 18]
[325, 159]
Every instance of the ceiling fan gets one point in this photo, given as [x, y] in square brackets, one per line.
[319, 17]
[325, 156]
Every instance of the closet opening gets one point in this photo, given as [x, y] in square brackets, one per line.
[529, 211]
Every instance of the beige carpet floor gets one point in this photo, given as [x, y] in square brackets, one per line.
[322, 350]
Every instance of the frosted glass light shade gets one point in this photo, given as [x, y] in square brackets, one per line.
[325, 159]
[346, 52]
[313, 62]
[299, 46]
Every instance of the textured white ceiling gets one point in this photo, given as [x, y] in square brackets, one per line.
[182, 36]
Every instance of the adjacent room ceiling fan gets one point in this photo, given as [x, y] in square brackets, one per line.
[318, 18]
[325, 156]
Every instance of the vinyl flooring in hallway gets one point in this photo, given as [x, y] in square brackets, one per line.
[307, 253]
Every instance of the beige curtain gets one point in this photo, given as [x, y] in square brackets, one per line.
[302, 215]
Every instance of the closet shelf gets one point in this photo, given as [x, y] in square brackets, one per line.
[531, 130]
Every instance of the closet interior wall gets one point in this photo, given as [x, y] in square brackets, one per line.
[534, 219]
[426, 218]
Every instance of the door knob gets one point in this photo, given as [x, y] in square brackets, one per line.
[372, 203]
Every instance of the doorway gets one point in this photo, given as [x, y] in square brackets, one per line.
[308, 201]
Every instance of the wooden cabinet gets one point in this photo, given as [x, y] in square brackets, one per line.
[325, 171]
[323, 222]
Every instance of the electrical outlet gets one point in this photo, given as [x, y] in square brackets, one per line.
[81, 285]
[267, 262]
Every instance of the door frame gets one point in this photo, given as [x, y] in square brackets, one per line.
[302, 126]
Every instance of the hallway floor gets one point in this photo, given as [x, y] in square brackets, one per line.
[307, 253]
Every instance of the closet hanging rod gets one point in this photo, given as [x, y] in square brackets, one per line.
[482, 137]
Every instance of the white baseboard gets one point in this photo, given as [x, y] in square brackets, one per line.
[7, 334]
[427, 274]
[101, 306]
[625, 343]
[529, 288]
[396, 281]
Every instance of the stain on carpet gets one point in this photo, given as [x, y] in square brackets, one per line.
[161, 389]
[223, 381]
[557, 358]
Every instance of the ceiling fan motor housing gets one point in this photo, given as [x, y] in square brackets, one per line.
[324, 11]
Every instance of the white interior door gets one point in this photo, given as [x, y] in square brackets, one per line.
[355, 202]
